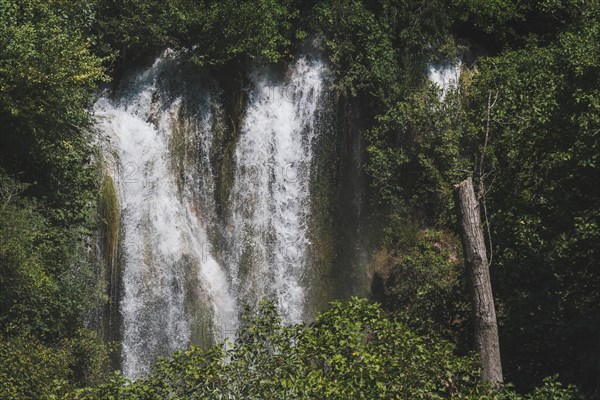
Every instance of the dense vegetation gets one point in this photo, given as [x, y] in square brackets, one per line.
[353, 351]
[524, 122]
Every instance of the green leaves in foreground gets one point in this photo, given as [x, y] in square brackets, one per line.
[31, 369]
[353, 351]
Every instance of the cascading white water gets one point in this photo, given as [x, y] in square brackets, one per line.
[165, 261]
[445, 76]
[157, 139]
[270, 194]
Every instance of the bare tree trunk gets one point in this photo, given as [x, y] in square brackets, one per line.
[476, 262]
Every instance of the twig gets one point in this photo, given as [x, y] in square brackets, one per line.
[481, 191]
[485, 142]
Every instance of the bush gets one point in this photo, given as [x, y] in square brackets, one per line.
[353, 351]
[421, 278]
[31, 369]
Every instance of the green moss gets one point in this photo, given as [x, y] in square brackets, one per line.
[182, 157]
[197, 305]
[109, 235]
[110, 219]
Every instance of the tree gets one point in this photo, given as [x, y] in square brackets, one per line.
[48, 75]
[476, 262]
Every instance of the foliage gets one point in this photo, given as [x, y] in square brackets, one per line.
[214, 32]
[132, 28]
[44, 285]
[48, 74]
[352, 351]
[538, 61]
[498, 25]
[422, 281]
[418, 149]
[358, 47]
[31, 369]
[545, 198]
[551, 389]
[229, 30]
[540, 166]
[46, 68]
[378, 49]
[27, 292]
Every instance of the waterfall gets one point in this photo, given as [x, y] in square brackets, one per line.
[445, 76]
[180, 285]
[166, 265]
[270, 194]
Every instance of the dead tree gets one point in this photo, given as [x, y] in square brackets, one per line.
[476, 262]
